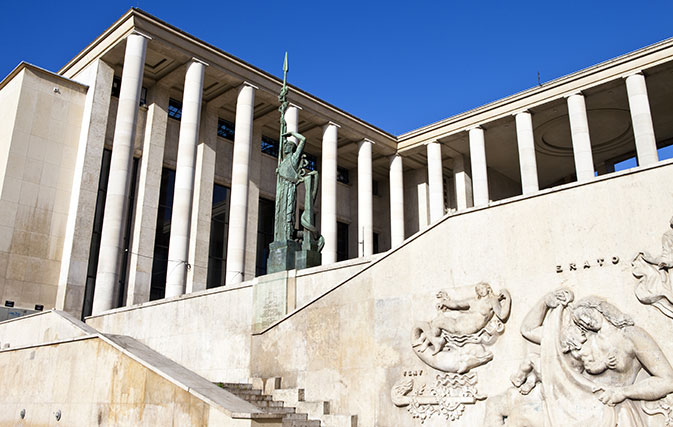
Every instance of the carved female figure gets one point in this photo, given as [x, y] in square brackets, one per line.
[590, 357]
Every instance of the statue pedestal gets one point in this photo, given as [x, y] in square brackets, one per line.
[282, 256]
[308, 258]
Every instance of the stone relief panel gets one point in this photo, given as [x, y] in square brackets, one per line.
[592, 365]
[453, 342]
[654, 282]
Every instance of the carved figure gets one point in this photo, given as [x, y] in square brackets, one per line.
[453, 340]
[654, 282]
[591, 355]
[289, 175]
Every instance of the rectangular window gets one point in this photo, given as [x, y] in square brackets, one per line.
[116, 86]
[94, 248]
[342, 241]
[270, 146]
[375, 242]
[143, 96]
[163, 235]
[225, 129]
[265, 224]
[311, 162]
[342, 175]
[219, 231]
[174, 109]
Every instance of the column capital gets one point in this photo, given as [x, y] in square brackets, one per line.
[138, 33]
[248, 84]
[573, 93]
[475, 127]
[331, 123]
[199, 61]
[525, 110]
[364, 140]
[394, 156]
[432, 141]
[292, 104]
[633, 73]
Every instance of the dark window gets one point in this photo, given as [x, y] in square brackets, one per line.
[311, 162]
[174, 109]
[94, 248]
[375, 243]
[116, 86]
[269, 146]
[375, 187]
[265, 223]
[342, 241]
[342, 175]
[225, 129]
[163, 235]
[219, 230]
[143, 96]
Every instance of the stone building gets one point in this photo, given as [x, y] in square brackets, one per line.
[136, 193]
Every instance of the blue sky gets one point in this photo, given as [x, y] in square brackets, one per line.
[397, 65]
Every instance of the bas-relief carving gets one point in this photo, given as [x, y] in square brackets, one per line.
[654, 282]
[453, 343]
[454, 340]
[593, 365]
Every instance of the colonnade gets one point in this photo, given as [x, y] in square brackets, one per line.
[470, 189]
[643, 130]
[186, 210]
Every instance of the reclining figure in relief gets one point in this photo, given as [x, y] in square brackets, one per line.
[454, 340]
[589, 361]
[654, 281]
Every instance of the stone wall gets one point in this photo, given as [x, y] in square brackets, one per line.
[354, 345]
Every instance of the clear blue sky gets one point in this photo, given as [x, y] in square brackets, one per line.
[397, 65]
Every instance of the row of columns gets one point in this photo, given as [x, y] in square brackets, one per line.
[186, 209]
[643, 130]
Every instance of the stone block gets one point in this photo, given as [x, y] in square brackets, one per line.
[282, 256]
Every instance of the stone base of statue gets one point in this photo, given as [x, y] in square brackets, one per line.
[282, 256]
[305, 258]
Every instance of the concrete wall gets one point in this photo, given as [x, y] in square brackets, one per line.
[40, 148]
[89, 382]
[353, 344]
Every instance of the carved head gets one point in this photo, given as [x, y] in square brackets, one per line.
[483, 289]
[289, 146]
[588, 314]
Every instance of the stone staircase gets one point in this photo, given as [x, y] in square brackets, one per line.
[297, 413]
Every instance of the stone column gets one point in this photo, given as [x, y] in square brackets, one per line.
[121, 163]
[396, 201]
[478, 163]
[292, 120]
[328, 196]
[238, 210]
[147, 201]
[178, 246]
[641, 117]
[463, 183]
[202, 204]
[254, 180]
[365, 202]
[435, 180]
[579, 129]
[526, 143]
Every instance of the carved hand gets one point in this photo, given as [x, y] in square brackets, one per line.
[561, 296]
[609, 395]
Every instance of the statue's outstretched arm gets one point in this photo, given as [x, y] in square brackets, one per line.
[531, 327]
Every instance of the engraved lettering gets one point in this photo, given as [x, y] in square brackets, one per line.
[600, 261]
[586, 265]
[615, 259]
[573, 266]
[559, 269]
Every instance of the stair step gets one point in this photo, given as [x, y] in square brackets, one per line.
[289, 395]
[267, 403]
[297, 423]
[339, 420]
[295, 417]
[235, 386]
[314, 409]
[245, 392]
